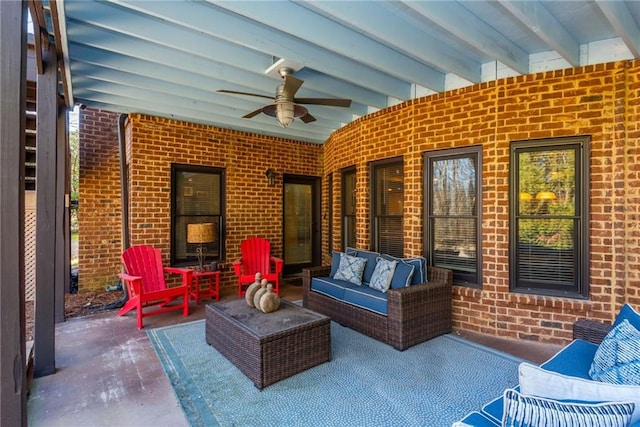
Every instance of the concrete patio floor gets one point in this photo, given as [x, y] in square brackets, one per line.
[108, 373]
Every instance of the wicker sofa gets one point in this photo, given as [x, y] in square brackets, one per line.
[565, 374]
[415, 313]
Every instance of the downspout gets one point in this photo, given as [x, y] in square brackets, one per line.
[124, 182]
[124, 201]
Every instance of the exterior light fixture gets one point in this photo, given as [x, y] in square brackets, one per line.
[271, 177]
[201, 234]
[285, 111]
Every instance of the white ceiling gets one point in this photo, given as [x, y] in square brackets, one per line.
[168, 58]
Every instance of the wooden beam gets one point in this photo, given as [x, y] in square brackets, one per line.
[46, 218]
[618, 15]
[63, 59]
[63, 236]
[538, 19]
[13, 48]
[37, 19]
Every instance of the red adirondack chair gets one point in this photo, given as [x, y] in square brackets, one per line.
[256, 258]
[146, 284]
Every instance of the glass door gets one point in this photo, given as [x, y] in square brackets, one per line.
[301, 224]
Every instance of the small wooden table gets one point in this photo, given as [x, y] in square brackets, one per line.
[211, 288]
[268, 347]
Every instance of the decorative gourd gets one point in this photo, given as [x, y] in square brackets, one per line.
[270, 301]
[251, 290]
[259, 293]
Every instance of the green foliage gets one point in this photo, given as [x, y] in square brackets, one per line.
[546, 185]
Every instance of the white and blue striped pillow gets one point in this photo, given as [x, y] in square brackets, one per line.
[529, 411]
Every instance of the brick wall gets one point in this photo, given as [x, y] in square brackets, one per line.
[99, 208]
[600, 101]
[153, 144]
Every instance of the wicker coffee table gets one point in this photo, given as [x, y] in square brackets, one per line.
[268, 347]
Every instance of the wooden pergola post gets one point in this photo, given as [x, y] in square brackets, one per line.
[49, 210]
[13, 48]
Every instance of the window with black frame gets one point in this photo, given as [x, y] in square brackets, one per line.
[348, 208]
[452, 218]
[387, 207]
[549, 217]
[197, 196]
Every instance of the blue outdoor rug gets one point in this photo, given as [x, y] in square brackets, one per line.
[366, 383]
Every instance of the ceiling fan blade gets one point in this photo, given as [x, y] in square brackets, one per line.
[308, 118]
[332, 102]
[291, 86]
[253, 113]
[233, 92]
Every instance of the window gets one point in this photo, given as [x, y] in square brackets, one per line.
[549, 217]
[387, 189]
[452, 218]
[197, 196]
[349, 208]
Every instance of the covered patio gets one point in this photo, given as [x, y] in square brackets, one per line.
[482, 85]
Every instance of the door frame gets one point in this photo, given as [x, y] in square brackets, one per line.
[316, 223]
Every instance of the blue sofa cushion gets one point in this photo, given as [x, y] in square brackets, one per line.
[617, 359]
[382, 275]
[418, 263]
[371, 262]
[402, 275]
[330, 287]
[366, 297]
[350, 269]
[627, 312]
[573, 360]
[475, 419]
[531, 411]
[335, 262]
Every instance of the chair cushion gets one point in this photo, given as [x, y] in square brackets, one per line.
[536, 381]
[371, 262]
[531, 411]
[350, 269]
[573, 360]
[475, 419]
[382, 274]
[617, 359]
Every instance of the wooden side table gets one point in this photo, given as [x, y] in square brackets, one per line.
[211, 287]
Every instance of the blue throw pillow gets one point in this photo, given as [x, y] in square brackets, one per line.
[335, 262]
[371, 261]
[627, 312]
[617, 359]
[402, 275]
[382, 275]
[529, 411]
[350, 269]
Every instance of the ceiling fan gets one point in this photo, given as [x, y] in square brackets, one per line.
[286, 107]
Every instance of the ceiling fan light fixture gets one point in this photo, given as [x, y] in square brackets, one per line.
[285, 112]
